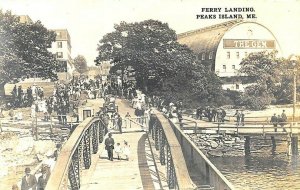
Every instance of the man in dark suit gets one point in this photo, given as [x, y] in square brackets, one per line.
[109, 146]
[28, 181]
[43, 179]
[274, 121]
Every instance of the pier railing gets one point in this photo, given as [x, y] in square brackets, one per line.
[242, 128]
[198, 161]
[170, 153]
[76, 154]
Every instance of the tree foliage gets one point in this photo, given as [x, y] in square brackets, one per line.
[161, 64]
[271, 77]
[23, 50]
[80, 63]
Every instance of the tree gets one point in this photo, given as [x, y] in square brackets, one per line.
[271, 78]
[80, 63]
[149, 47]
[161, 64]
[23, 50]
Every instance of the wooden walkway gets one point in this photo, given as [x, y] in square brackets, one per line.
[135, 173]
[123, 174]
[251, 128]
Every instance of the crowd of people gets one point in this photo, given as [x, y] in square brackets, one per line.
[213, 114]
[25, 97]
[66, 99]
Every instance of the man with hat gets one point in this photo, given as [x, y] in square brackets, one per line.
[43, 179]
[28, 181]
[274, 121]
[109, 146]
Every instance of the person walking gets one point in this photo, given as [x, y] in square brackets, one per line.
[43, 179]
[274, 121]
[119, 123]
[109, 146]
[28, 181]
[281, 122]
[284, 119]
[238, 117]
[126, 150]
[242, 118]
[118, 150]
[127, 118]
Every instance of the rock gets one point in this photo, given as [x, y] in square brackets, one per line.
[221, 144]
[214, 144]
[229, 141]
[215, 153]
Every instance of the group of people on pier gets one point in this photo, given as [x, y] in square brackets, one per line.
[279, 120]
[213, 114]
[111, 147]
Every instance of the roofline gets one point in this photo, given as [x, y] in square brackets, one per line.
[60, 29]
[224, 24]
[208, 28]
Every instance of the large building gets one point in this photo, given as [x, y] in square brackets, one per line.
[25, 19]
[222, 47]
[61, 47]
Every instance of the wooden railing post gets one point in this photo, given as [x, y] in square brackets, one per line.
[51, 125]
[36, 129]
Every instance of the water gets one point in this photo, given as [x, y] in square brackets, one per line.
[261, 171]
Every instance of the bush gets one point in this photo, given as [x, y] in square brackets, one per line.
[232, 97]
[256, 103]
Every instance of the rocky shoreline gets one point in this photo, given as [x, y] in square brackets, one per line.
[19, 150]
[220, 145]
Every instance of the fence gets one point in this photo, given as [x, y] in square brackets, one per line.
[198, 161]
[76, 154]
[170, 153]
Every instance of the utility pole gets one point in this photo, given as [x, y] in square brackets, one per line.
[293, 60]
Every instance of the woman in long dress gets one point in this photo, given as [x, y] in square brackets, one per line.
[126, 150]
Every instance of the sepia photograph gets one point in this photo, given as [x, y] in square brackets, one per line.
[149, 95]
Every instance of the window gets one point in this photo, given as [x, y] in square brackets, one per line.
[59, 54]
[210, 55]
[237, 86]
[246, 54]
[59, 44]
[233, 67]
[224, 68]
[203, 56]
[237, 55]
[228, 55]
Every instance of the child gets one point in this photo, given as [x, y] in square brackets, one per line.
[118, 150]
[126, 150]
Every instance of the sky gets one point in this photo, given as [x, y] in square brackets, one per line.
[89, 20]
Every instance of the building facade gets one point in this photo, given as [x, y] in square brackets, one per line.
[222, 47]
[61, 47]
[25, 19]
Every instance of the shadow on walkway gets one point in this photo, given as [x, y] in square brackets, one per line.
[143, 166]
